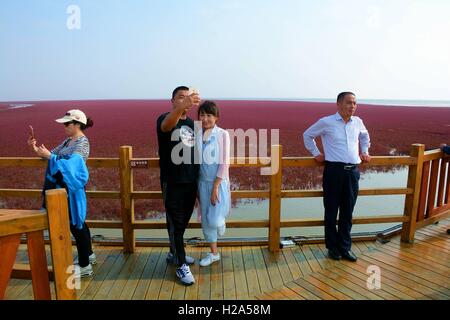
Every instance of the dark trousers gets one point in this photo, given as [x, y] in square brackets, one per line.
[340, 188]
[83, 241]
[82, 236]
[179, 201]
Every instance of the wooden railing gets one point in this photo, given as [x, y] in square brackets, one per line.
[410, 219]
[32, 223]
[434, 188]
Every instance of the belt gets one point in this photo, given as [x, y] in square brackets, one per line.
[345, 166]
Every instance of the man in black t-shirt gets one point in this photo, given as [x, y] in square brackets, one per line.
[178, 175]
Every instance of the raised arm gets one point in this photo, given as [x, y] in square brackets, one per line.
[180, 108]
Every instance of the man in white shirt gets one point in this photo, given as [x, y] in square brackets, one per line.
[346, 144]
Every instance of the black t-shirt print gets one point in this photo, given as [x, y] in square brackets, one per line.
[171, 172]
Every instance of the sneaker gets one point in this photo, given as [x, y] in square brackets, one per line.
[221, 230]
[185, 275]
[169, 259]
[82, 272]
[92, 259]
[210, 258]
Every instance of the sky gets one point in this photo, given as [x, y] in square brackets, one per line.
[280, 49]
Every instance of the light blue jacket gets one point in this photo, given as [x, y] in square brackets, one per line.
[75, 176]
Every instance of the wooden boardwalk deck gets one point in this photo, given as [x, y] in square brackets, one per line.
[419, 271]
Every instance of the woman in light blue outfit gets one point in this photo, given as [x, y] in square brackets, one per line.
[213, 184]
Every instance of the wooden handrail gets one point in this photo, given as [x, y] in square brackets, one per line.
[375, 161]
[35, 193]
[22, 221]
[235, 162]
[42, 163]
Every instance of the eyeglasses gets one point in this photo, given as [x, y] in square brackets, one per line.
[66, 124]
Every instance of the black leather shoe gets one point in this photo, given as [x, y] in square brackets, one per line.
[334, 254]
[349, 255]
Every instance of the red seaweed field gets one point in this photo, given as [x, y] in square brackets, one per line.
[133, 122]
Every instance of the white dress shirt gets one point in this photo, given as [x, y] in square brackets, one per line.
[339, 139]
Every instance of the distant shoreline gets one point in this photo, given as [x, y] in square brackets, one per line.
[374, 102]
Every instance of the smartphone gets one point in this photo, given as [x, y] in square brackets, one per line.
[193, 90]
[32, 132]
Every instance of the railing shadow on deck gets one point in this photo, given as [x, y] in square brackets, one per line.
[426, 200]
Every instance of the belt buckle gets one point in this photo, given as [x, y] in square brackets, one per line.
[348, 167]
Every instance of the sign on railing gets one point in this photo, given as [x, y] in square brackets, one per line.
[138, 164]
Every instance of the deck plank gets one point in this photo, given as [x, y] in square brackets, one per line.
[326, 285]
[420, 290]
[301, 291]
[158, 277]
[270, 260]
[250, 272]
[416, 258]
[428, 275]
[168, 281]
[113, 274]
[123, 276]
[135, 274]
[144, 281]
[100, 275]
[101, 256]
[229, 288]
[191, 292]
[217, 279]
[301, 260]
[291, 261]
[424, 252]
[310, 258]
[331, 280]
[239, 274]
[407, 274]
[204, 279]
[261, 270]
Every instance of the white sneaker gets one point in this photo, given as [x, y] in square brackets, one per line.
[170, 258]
[92, 259]
[210, 258]
[81, 272]
[185, 275]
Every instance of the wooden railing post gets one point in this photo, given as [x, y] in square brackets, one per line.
[275, 198]
[127, 203]
[60, 243]
[412, 200]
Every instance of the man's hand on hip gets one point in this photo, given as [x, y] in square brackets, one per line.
[364, 157]
[320, 158]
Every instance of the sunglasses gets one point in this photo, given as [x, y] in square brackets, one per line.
[66, 124]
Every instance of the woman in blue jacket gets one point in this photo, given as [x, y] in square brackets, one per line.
[67, 169]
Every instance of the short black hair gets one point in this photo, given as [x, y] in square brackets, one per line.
[342, 95]
[209, 107]
[174, 93]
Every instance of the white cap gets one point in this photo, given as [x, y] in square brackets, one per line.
[73, 115]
